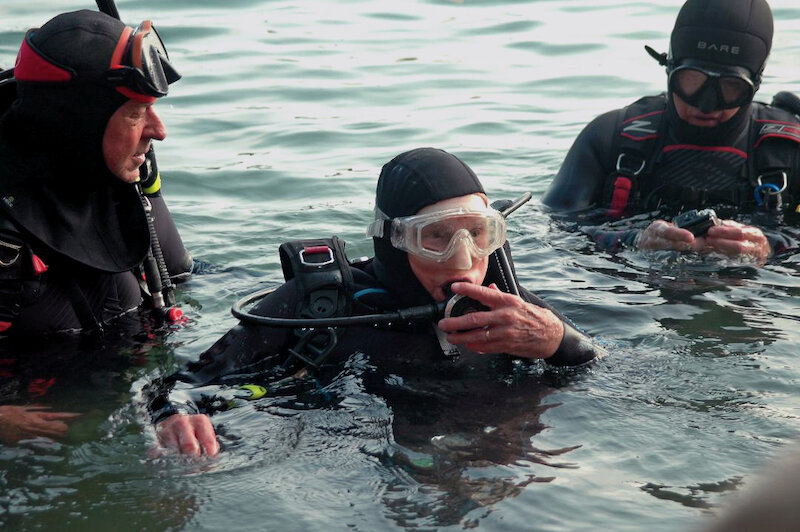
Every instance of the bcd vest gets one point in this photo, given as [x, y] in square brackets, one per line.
[770, 179]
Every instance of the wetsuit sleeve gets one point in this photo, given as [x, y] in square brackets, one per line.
[576, 348]
[579, 183]
[783, 241]
[245, 349]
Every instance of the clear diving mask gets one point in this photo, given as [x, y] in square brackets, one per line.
[437, 236]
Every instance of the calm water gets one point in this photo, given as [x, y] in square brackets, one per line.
[277, 131]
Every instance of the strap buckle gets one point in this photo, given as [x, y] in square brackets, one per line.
[316, 250]
[782, 179]
[15, 250]
[314, 347]
[626, 170]
[768, 193]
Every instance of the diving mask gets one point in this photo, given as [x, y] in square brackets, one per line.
[711, 87]
[437, 236]
[140, 65]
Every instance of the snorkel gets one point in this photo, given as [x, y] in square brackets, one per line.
[455, 305]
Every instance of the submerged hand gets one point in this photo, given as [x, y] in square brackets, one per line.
[662, 235]
[21, 422]
[736, 240]
[191, 434]
[729, 238]
[511, 325]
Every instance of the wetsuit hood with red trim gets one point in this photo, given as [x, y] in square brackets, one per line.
[409, 182]
[54, 182]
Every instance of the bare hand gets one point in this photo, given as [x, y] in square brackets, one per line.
[736, 240]
[21, 422]
[191, 434]
[730, 238]
[512, 325]
[662, 235]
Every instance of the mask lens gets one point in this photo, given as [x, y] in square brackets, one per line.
[438, 236]
[734, 90]
[688, 82]
[146, 55]
[696, 86]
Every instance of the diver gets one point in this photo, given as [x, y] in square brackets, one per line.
[439, 245]
[82, 218]
[704, 145]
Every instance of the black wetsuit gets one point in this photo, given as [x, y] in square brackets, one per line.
[249, 352]
[72, 234]
[686, 168]
[70, 296]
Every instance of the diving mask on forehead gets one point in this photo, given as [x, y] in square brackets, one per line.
[437, 236]
[140, 65]
[711, 87]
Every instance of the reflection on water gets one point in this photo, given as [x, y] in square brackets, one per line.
[93, 472]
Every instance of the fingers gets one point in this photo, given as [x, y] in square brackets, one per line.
[490, 296]
[51, 429]
[661, 235]
[521, 329]
[59, 415]
[734, 239]
[189, 434]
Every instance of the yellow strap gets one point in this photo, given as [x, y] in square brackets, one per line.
[256, 391]
[155, 187]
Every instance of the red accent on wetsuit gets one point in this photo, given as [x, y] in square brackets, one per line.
[619, 200]
[31, 66]
[39, 387]
[39, 267]
[4, 326]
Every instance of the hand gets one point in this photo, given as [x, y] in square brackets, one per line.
[730, 238]
[736, 240]
[662, 235]
[511, 326]
[21, 422]
[191, 434]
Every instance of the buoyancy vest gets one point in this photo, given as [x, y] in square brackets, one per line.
[768, 158]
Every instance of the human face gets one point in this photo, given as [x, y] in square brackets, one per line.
[127, 138]
[462, 266]
[696, 117]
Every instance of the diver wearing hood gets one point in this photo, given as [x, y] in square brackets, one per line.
[75, 145]
[434, 233]
[704, 144]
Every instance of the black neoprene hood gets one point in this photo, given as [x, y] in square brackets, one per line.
[725, 32]
[54, 182]
[409, 182]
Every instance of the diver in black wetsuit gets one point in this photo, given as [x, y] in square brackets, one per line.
[434, 231]
[703, 144]
[75, 145]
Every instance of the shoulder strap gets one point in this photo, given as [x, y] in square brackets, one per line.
[322, 275]
[774, 159]
[324, 283]
[638, 135]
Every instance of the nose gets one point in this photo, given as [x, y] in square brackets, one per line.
[462, 257]
[154, 128]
